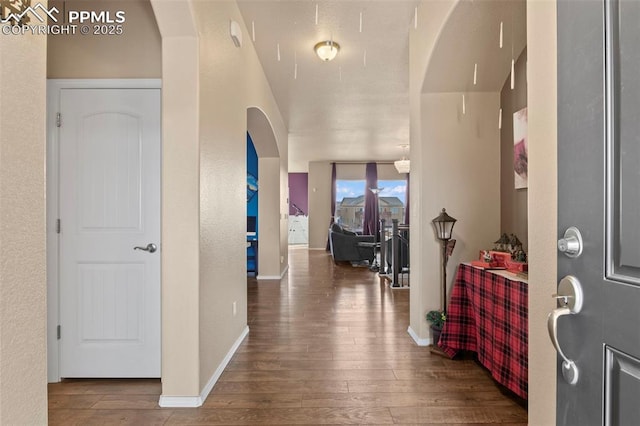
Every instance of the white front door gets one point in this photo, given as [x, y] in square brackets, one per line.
[109, 157]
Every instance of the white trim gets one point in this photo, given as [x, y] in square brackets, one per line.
[54, 86]
[52, 210]
[197, 401]
[417, 339]
[180, 401]
[216, 375]
[273, 277]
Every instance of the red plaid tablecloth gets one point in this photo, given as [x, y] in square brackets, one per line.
[488, 314]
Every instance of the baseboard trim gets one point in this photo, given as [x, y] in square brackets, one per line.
[273, 277]
[418, 340]
[197, 401]
[285, 271]
[180, 401]
[216, 375]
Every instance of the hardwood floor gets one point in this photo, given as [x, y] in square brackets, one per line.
[328, 345]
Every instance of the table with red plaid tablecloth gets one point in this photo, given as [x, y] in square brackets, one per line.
[488, 314]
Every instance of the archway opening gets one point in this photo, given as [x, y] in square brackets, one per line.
[264, 240]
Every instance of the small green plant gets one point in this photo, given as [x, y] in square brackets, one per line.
[436, 318]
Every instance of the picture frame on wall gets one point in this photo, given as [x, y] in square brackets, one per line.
[520, 149]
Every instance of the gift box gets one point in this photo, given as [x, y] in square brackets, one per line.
[500, 258]
[513, 266]
[482, 264]
[482, 261]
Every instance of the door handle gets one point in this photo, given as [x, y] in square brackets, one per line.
[569, 368]
[569, 299]
[151, 248]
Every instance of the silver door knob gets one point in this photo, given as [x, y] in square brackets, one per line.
[151, 248]
[571, 243]
[569, 299]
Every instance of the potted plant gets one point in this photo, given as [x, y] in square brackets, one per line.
[436, 319]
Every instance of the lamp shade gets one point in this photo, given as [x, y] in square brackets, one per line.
[402, 166]
[444, 225]
[327, 50]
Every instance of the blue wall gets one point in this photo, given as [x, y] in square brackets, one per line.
[252, 196]
[252, 169]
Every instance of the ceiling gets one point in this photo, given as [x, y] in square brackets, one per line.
[352, 109]
[472, 36]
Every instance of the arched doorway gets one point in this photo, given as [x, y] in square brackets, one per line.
[270, 256]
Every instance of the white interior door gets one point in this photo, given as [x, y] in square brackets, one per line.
[109, 203]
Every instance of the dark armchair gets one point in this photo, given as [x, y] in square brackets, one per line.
[344, 245]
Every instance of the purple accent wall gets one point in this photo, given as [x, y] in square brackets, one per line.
[298, 192]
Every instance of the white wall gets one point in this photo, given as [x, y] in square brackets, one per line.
[389, 172]
[23, 309]
[542, 89]
[231, 80]
[319, 203]
[421, 43]
[180, 187]
[206, 273]
[136, 53]
[269, 218]
[459, 164]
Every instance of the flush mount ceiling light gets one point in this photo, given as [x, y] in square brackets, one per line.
[326, 50]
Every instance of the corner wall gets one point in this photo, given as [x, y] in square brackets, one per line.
[513, 202]
[269, 227]
[204, 191]
[23, 289]
[543, 218]
[180, 187]
[459, 166]
[319, 203]
[136, 53]
[231, 80]
[421, 43]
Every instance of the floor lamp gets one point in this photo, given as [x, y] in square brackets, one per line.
[444, 227]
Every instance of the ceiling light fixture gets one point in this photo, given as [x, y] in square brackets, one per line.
[404, 165]
[326, 50]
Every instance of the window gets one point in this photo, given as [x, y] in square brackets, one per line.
[392, 199]
[350, 203]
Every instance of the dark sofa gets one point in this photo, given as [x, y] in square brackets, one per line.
[344, 245]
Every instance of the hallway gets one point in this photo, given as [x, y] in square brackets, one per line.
[328, 345]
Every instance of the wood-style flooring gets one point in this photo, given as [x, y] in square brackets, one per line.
[328, 345]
